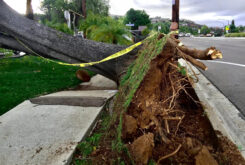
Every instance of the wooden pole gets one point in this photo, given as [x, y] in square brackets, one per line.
[175, 16]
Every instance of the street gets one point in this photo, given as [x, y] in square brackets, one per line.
[227, 74]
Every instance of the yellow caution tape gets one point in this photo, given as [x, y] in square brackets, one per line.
[174, 32]
[116, 55]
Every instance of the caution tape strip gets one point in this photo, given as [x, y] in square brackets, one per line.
[116, 55]
[113, 56]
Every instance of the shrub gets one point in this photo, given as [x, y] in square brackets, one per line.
[235, 35]
[105, 29]
[60, 27]
[145, 32]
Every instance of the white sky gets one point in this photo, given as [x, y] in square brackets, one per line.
[210, 12]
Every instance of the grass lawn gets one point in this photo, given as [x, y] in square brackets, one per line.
[28, 77]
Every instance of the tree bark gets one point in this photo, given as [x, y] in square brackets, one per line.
[29, 10]
[84, 9]
[54, 44]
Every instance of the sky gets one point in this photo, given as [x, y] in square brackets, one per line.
[209, 12]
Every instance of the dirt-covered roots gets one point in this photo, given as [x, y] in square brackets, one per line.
[157, 108]
[165, 121]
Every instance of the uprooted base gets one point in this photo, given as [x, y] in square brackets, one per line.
[165, 123]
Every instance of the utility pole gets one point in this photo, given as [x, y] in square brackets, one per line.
[175, 16]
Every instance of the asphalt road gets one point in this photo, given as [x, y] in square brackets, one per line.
[227, 74]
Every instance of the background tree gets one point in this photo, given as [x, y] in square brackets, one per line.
[205, 30]
[233, 28]
[164, 27]
[105, 29]
[29, 10]
[99, 7]
[241, 28]
[54, 9]
[137, 17]
[84, 10]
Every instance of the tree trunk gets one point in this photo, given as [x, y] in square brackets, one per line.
[54, 44]
[84, 9]
[29, 11]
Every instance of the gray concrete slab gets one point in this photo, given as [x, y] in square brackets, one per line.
[33, 134]
[95, 93]
[223, 115]
[87, 101]
[43, 135]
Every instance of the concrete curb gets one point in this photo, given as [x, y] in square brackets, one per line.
[223, 115]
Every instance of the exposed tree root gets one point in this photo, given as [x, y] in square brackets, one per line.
[169, 155]
[159, 109]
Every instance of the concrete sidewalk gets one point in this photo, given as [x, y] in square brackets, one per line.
[47, 130]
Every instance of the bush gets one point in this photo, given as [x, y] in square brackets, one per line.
[235, 35]
[60, 27]
[145, 32]
[165, 27]
[105, 29]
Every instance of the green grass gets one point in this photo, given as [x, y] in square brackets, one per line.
[235, 35]
[132, 80]
[7, 52]
[28, 77]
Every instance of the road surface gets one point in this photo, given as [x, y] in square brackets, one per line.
[227, 74]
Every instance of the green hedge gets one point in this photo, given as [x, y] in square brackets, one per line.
[235, 35]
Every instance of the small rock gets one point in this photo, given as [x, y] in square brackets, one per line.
[205, 158]
[189, 142]
[142, 147]
[194, 151]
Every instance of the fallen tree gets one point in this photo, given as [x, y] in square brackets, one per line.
[157, 117]
[50, 43]
[156, 114]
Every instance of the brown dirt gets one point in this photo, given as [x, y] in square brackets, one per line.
[171, 126]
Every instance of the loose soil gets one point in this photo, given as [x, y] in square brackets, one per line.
[164, 123]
